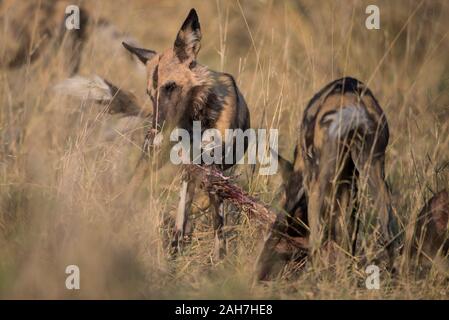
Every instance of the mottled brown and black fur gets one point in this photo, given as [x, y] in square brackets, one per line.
[341, 149]
[184, 91]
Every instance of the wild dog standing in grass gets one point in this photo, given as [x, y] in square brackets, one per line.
[32, 29]
[184, 91]
[340, 151]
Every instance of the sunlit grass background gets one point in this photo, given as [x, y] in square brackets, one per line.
[63, 163]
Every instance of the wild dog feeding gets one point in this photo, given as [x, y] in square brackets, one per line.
[343, 137]
[278, 59]
[183, 91]
[340, 151]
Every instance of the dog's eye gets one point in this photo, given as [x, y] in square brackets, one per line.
[170, 86]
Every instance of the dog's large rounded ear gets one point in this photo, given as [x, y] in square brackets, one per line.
[188, 41]
[142, 54]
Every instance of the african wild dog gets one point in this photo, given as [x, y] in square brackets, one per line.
[430, 241]
[32, 29]
[184, 91]
[341, 149]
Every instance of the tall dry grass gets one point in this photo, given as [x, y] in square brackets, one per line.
[64, 163]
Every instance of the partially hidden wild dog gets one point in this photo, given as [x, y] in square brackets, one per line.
[430, 241]
[340, 150]
[37, 28]
[182, 91]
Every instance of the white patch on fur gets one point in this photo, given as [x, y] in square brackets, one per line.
[94, 88]
[347, 119]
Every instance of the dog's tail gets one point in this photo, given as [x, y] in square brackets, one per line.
[346, 119]
[103, 92]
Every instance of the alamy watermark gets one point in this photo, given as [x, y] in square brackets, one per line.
[372, 282]
[210, 147]
[72, 20]
[373, 20]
